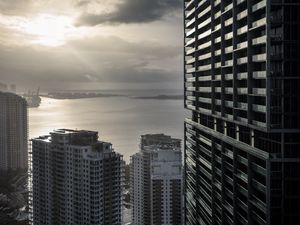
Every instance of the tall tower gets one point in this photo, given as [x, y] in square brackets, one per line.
[242, 141]
[76, 179]
[156, 181]
[13, 132]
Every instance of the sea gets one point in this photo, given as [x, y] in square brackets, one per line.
[120, 120]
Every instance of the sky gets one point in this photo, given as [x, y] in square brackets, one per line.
[91, 44]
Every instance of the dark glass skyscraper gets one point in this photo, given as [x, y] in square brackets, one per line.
[242, 86]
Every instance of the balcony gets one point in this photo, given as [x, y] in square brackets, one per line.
[259, 108]
[205, 89]
[259, 91]
[217, 40]
[204, 68]
[189, 5]
[259, 75]
[240, 1]
[203, 12]
[242, 91]
[217, 15]
[259, 186]
[205, 56]
[242, 106]
[191, 70]
[190, 13]
[190, 42]
[241, 119]
[229, 49]
[218, 65]
[205, 34]
[259, 23]
[259, 40]
[217, 2]
[204, 100]
[190, 51]
[228, 116]
[191, 32]
[205, 45]
[228, 63]
[190, 61]
[242, 76]
[228, 90]
[190, 23]
[243, 60]
[228, 76]
[258, 123]
[242, 30]
[228, 22]
[218, 89]
[217, 77]
[191, 98]
[242, 45]
[259, 57]
[242, 14]
[204, 78]
[218, 52]
[228, 7]
[228, 103]
[228, 36]
[218, 102]
[204, 23]
[217, 27]
[262, 4]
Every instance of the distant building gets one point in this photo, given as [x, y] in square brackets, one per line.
[76, 179]
[156, 181]
[13, 88]
[13, 132]
[242, 149]
[3, 87]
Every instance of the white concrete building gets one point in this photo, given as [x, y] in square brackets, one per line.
[13, 132]
[76, 180]
[156, 182]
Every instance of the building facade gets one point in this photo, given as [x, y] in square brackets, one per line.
[242, 158]
[13, 132]
[156, 181]
[76, 179]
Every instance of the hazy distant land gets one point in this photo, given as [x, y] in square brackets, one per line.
[161, 97]
[80, 95]
[77, 95]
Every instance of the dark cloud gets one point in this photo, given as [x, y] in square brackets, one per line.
[132, 11]
[82, 3]
[15, 7]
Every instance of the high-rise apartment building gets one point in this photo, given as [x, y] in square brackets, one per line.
[13, 132]
[76, 179]
[156, 181]
[242, 158]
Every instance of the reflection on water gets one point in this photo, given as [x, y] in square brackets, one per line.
[119, 120]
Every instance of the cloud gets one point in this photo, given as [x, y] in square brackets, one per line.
[94, 61]
[131, 11]
[16, 7]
